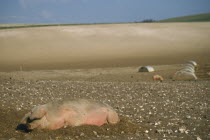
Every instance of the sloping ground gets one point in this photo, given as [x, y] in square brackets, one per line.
[104, 45]
[190, 18]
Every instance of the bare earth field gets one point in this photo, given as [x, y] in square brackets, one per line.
[101, 62]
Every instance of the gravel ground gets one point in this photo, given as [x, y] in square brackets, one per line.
[100, 62]
[148, 110]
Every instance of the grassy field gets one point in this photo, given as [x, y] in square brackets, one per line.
[19, 25]
[14, 26]
[191, 18]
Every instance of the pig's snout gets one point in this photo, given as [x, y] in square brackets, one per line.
[31, 126]
[31, 123]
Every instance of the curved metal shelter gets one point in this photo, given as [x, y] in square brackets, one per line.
[188, 65]
[192, 63]
[188, 69]
[146, 69]
[184, 75]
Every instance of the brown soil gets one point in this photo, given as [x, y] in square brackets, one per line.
[36, 71]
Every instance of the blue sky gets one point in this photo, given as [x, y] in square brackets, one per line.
[96, 11]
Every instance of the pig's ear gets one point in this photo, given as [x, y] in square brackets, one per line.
[37, 113]
[25, 118]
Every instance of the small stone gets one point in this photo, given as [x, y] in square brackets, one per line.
[169, 131]
[82, 134]
[146, 131]
[157, 123]
[182, 129]
[159, 131]
[198, 138]
[188, 117]
[95, 133]
[186, 132]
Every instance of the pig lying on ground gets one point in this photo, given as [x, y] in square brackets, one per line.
[55, 115]
[158, 78]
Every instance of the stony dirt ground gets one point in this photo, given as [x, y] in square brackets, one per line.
[148, 109]
[101, 62]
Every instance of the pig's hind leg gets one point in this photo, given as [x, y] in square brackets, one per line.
[112, 117]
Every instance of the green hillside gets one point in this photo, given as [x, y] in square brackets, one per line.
[13, 26]
[191, 18]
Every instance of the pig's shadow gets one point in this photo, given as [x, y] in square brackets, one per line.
[23, 128]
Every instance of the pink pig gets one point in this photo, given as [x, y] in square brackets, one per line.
[55, 115]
